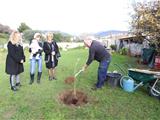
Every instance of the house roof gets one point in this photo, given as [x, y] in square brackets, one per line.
[133, 38]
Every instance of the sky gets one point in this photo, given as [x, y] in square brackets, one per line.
[71, 16]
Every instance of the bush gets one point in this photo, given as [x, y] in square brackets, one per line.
[123, 51]
[113, 47]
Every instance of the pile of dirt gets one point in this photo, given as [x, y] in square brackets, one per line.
[70, 80]
[69, 98]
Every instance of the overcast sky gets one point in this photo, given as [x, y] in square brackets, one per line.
[72, 16]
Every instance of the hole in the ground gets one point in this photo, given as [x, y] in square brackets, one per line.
[69, 98]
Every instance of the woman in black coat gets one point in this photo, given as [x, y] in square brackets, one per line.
[15, 59]
[52, 54]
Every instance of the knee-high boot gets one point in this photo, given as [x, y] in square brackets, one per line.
[31, 78]
[39, 77]
[13, 87]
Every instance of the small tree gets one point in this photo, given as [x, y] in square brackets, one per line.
[23, 27]
[113, 47]
[29, 34]
[60, 37]
[146, 22]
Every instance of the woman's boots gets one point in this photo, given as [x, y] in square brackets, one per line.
[31, 78]
[12, 82]
[38, 78]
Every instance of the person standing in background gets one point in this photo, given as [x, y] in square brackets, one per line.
[15, 59]
[35, 49]
[52, 54]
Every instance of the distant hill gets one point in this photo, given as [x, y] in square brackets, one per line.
[105, 33]
[5, 29]
[56, 31]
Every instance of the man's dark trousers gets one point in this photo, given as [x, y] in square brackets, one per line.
[102, 72]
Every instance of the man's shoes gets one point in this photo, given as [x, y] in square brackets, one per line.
[94, 87]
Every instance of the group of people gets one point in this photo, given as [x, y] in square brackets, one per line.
[16, 58]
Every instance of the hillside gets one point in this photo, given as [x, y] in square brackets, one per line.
[106, 33]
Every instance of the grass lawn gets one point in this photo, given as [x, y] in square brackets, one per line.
[40, 102]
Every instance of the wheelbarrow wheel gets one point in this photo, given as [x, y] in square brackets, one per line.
[149, 86]
[155, 92]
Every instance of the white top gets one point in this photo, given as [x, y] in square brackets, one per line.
[34, 48]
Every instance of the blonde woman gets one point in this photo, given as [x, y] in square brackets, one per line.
[52, 54]
[36, 50]
[15, 59]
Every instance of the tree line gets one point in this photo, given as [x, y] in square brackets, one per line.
[28, 34]
[5, 29]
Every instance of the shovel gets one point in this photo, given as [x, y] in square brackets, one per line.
[78, 73]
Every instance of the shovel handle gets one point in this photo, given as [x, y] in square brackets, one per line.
[78, 73]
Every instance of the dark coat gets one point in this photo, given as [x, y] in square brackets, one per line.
[48, 54]
[14, 56]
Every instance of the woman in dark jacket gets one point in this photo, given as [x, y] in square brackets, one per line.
[15, 59]
[52, 54]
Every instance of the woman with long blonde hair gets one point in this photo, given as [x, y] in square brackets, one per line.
[15, 59]
[52, 54]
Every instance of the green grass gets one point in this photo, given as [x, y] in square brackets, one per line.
[40, 102]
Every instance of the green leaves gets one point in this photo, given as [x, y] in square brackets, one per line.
[23, 27]
[146, 21]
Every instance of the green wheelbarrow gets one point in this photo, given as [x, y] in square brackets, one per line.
[143, 77]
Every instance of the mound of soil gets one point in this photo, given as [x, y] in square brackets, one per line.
[70, 99]
[70, 80]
